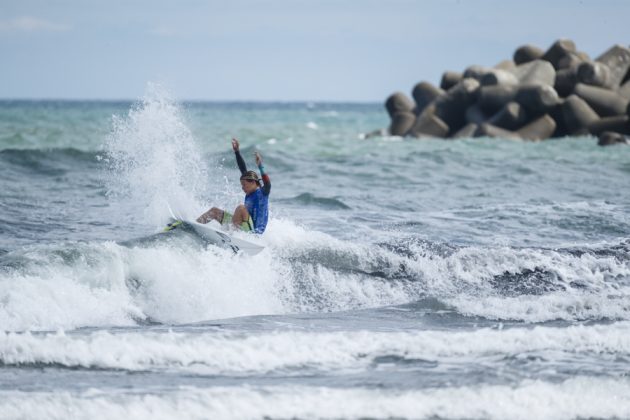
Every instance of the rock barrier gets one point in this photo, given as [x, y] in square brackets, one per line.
[534, 96]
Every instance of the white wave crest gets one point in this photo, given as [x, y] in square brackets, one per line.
[581, 397]
[235, 353]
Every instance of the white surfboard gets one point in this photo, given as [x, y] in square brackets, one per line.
[217, 237]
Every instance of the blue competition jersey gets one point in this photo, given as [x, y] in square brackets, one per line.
[257, 204]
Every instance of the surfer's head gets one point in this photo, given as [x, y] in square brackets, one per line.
[249, 181]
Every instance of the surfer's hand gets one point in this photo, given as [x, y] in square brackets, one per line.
[258, 158]
[235, 145]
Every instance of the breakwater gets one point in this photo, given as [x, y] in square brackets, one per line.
[536, 95]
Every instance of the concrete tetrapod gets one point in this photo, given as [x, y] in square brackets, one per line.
[475, 72]
[489, 130]
[539, 129]
[466, 132]
[578, 116]
[538, 99]
[424, 93]
[492, 98]
[570, 60]
[498, 77]
[618, 124]
[450, 79]
[609, 138]
[398, 102]
[624, 90]
[507, 65]
[510, 117]
[451, 107]
[603, 101]
[537, 72]
[557, 114]
[566, 79]
[402, 123]
[617, 59]
[527, 53]
[475, 115]
[558, 50]
[594, 73]
[429, 125]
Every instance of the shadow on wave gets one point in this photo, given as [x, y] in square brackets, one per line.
[55, 161]
[537, 280]
[308, 199]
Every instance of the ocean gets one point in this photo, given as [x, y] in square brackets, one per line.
[476, 278]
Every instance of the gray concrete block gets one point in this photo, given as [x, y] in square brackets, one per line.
[429, 125]
[557, 114]
[401, 123]
[578, 115]
[617, 59]
[489, 130]
[475, 115]
[537, 99]
[450, 79]
[569, 61]
[595, 74]
[507, 65]
[527, 53]
[624, 90]
[451, 107]
[618, 124]
[537, 72]
[566, 79]
[558, 50]
[398, 102]
[539, 129]
[603, 101]
[492, 98]
[610, 138]
[424, 93]
[466, 132]
[511, 117]
[475, 72]
[498, 77]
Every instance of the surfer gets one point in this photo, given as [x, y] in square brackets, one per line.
[253, 214]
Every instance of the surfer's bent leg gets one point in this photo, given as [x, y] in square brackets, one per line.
[213, 214]
[240, 215]
[242, 219]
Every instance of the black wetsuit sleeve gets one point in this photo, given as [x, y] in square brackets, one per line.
[266, 189]
[267, 185]
[240, 162]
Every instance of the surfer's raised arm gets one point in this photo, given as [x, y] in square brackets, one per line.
[266, 188]
[239, 159]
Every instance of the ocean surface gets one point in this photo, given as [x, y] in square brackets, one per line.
[477, 278]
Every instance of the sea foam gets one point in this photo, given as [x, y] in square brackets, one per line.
[154, 161]
[216, 352]
[580, 397]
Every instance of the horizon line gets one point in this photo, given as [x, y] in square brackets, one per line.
[235, 101]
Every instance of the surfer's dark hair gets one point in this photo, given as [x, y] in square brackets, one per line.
[251, 176]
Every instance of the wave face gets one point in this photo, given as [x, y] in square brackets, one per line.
[292, 352]
[425, 279]
[175, 278]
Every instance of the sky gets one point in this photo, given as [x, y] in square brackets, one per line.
[277, 50]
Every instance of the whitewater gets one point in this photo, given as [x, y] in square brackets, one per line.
[474, 278]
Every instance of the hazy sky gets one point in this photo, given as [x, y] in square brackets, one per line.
[359, 50]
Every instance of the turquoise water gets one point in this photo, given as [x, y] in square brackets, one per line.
[401, 278]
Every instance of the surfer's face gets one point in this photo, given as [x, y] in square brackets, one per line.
[248, 186]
